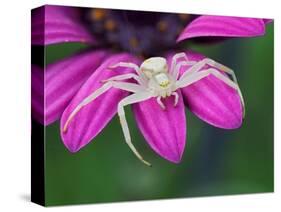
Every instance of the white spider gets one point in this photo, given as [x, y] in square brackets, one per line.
[154, 80]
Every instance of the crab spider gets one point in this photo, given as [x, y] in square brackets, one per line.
[153, 79]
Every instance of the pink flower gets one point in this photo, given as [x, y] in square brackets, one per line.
[112, 39]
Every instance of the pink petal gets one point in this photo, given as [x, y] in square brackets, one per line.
[64, 78]
[91, 119]
[267, 21]
[223, 26]
[57, 24]
[37, 93]
[164, 130]
[212, 100]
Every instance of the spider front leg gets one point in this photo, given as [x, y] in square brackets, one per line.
[124, 77]
[134, 98]
[231, 73]
[206, 61]
[210, 62]
[131, 87]
[195, 68]
[130, 65]
[184, 82]
[178, 56]
[175, 68]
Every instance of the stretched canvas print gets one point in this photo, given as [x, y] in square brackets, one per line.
[136, 105]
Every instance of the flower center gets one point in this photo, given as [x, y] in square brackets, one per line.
[141, 33]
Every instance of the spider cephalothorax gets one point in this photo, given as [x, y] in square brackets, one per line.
[154, 79]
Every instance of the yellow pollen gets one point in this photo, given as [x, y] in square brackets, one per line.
[110, 25]
[162, 26]
[134, 42]
[98, 14]
[184, 17]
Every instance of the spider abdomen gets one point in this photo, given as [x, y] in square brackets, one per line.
[153, 66]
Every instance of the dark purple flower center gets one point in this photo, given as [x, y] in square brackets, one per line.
[141, 33]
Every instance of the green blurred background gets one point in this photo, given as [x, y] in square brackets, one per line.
[215, 162]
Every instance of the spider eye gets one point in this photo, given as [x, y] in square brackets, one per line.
[162, 79]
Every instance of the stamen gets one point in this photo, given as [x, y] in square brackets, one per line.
[184, 17]
[162, 26]
[159, 101]
[149, 34]
[134, 42]
[110, 25]
[98, 14]
[175, 94]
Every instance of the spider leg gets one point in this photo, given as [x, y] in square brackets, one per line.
[176, 71]
[195, 68]
[206, 61]
[221, 67]
[159, 101]
[131, 87]
[178, 56]
[202, 74]
[134, 98]
[176, 98]
[176, 66]
[124, 77]
[129, 65]
[231, 73]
